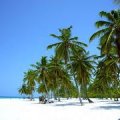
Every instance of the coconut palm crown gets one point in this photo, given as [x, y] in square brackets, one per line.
[66, 45]
[109, 32]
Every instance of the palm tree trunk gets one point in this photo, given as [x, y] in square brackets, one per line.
[58, 95]
[116, 99]
[57, 87]
[89, 100]
[68, 94]
[79, 96]
[54, 92]
[46, 89]
[84, 92]
[31, 97]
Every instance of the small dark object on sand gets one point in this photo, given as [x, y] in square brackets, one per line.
[51, 101]
[42, 100]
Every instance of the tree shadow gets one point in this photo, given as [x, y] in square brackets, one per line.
[103, 100]
[37, 103]
[68, 104]
[108, 107]
[114, 103]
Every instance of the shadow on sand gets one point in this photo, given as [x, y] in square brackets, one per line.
[69, 104]
[109, 107]
[113, 103]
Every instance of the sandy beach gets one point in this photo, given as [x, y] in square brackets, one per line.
[20, 109]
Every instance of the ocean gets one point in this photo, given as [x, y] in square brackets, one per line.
[6, 97]
[14, 97]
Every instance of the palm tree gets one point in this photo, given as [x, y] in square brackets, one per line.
[23, 89]
[58, 75]
[82, 65]
[66, 46]
[108, 67]
[29, 80]
[106, 83]
[41, 69]
[26, 89]
[56, 71]
[112, 65]
[109, 33]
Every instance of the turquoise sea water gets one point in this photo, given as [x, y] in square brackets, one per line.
[13, 97]
[6, 97]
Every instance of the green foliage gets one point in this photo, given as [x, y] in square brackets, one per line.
[109, 32]
[107, 81]
[72, 68]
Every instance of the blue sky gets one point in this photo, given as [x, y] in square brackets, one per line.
[25, 26]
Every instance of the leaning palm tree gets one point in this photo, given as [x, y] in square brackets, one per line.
[82, 65]
[109, 33]
[66, 46]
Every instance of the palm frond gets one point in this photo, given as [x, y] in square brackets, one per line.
[74, 38]
[107, 15]
[98, 33]
[110, 36]
[53, 45]
[55, 36]
[103, 39]
[99, 24]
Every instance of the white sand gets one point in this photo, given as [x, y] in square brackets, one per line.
[19, 109]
